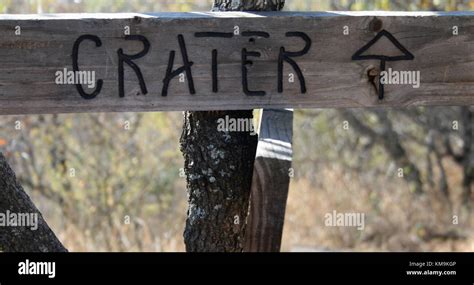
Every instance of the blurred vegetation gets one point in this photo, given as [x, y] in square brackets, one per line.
[100, 171]
[148, 6]
[113, 182]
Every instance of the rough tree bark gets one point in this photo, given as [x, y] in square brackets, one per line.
[248, 5]
[219, 168]
[14, 200]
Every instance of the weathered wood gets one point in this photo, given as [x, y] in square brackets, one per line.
[22, 227]
[271, 178]
[269, 188]
[28, 62]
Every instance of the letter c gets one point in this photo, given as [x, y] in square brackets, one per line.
[75, 65]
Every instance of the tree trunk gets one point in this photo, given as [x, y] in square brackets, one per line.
[219, 167]
[248, 5]
[16, 237]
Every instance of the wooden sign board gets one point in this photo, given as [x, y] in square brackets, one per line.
[223, 61]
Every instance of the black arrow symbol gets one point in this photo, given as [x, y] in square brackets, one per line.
[383, 58]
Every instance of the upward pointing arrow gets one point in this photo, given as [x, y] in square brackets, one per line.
[406, 55]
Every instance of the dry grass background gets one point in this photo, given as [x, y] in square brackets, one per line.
[394, 220]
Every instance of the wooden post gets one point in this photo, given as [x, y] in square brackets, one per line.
[271, 179]
[468, 151]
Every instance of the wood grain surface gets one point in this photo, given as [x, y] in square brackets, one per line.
[29, 61]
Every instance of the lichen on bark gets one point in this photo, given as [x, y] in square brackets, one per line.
[248, 5]
[219, 167]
